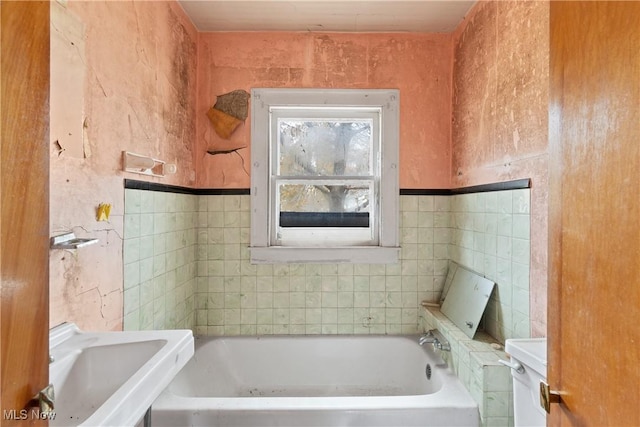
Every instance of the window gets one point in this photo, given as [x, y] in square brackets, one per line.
[324, 181]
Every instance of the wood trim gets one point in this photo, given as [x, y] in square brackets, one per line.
[25, 204]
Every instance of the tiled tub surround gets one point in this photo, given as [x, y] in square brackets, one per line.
[475, 362]
[231, 296]
[159, 260]
[234, 297]
[490, 233]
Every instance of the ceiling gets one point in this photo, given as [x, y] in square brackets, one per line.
[327, 15]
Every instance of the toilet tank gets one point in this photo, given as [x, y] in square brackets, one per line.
[531, 353]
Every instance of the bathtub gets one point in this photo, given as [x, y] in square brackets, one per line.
[323, 380]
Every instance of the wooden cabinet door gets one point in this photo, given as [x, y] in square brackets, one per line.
[24, 201]
[594, 279]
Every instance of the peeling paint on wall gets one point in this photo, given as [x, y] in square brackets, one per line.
[139, 63]
[500, 114]
[417, 64]
[66, 99]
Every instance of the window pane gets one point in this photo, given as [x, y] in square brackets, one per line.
[354, 197]
[316, 147]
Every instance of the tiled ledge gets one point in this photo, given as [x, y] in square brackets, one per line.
[475, 362]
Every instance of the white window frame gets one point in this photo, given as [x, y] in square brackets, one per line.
[313, 236]
[264, 101]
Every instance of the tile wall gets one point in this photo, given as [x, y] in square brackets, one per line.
[187, 265]
[490, 233]
[234, 297]
[475, 362]
[159, 260]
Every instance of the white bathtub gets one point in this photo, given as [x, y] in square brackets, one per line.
[315, 381]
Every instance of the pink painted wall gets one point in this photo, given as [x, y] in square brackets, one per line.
[142, 63]
[139, 95]
[500, 115]
[417, 64]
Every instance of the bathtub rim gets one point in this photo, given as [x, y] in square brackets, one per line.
[433, 356]
[452, 393]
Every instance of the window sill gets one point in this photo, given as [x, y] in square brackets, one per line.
[352, 255]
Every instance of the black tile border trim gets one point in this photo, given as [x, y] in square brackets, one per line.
[133, 184]
[222, 191]
[425, 192]
[518, 184]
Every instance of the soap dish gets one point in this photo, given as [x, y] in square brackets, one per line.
[70, 241]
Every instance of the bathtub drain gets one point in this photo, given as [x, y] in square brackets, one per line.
[427, 371]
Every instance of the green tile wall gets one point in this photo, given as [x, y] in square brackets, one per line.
[159, 260]
[186, 263]
[490, 233]
[234, 297]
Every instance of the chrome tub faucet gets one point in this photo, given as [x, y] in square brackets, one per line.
[435, 338]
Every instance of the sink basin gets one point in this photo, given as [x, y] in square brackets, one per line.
[112, 378]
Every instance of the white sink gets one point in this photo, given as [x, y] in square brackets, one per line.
[112, 378]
